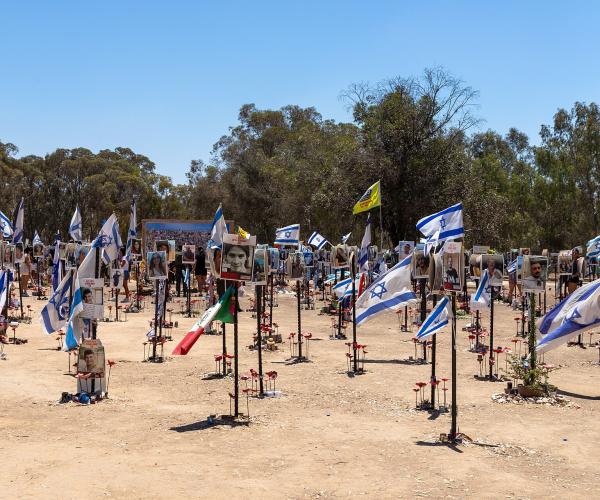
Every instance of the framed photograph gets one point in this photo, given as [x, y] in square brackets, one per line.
[453, 267]
[309, 258]
[524, 251]
[71, 256]
[116, 278]
[188, 254]
[157, 265]
[93, 297]
[404, 249]
[565, 262]
[8, 255]
[273, 260]
[19, 253]
[260, 265]
[38, 251]
[534, 273]
[420, 264]
[82, 251]
[136, 247]
[161, 246]
[481, 249]
[340, 257]
[62, 248]
[91, 357]
[295, 266]
[238, 257]
[495, 267]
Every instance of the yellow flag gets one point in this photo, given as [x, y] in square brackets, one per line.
[242, 233]
[369, 200]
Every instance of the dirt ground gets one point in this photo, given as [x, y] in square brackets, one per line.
[328, 435]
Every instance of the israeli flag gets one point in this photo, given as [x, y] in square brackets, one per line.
[363, 258]
[5, 226]
[317, 240]
[109, 240]
[483, 295]
[512, 267]
[345, 238]
[76, 228]
[288, 235]
[219, 228]
[593, 247]
[55, 313]
[579, 312]
[186, 276]
[56, 266]
[36, 239]
[437, 319]
[132, 231]
[344, 288]
[19, 220]
[74, 329]
[448, 222]
[389, 292]
[3, 288]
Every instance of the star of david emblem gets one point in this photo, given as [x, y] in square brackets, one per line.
[443, 223]
[378, 291]
[288, 234]
[575, 314]
[103, 240]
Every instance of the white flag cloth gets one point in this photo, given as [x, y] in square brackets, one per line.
[109, 240]
[19, 220]
[288, 235]
[3, 288]
[76, 228]
[74, 326]
[317, 240]
[345, 238]
[579, 312]
[344, 288]
[5, 226]
[388, 292]
[363, 258]
[437, 319]
[55, 313]
[132, 231]
[219, 228]
[56, 265]
[593, 247]
[448, 222]
[36, 239]
[483, 297]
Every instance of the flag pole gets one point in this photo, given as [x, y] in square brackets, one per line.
[20, 290]
[299, 321]
[355, 361]
[380, 228]
[259, 290]
[235, 354]
[433, 353]
[491, 358]
[453, 427]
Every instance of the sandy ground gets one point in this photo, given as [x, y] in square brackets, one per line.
[328, 435]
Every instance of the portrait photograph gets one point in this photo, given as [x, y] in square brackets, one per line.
[38, 250]
[260, 265]
[71, 256]
[273, 260]
[19, 253]
[157, 264]
[91, 358]
[420, 263]
[92, 297]
[8, 255]
[565, 262]
[295, 266]
[534, 273]
[162, 246]
[309, 259]
[62, 248]
[188, 254]
[453, 267]
[237, 257]
[340, 257]
[405, 248]
[136, 247]
[116, 278]
[525, 251]
[494, 264]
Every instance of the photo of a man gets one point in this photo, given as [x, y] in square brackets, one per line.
[453, 267]
[420, 265]
[405, 248]
[534, 273]
[495, 268]
[188, 254]
[259, 275]
[295, 271]
[19, 253]
[91, 358]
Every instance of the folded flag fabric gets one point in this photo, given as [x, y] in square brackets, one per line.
[54, 315]
[221, 311]
[482, 298]
[19, 220]
[437, 319]
[363, 258]
[579, 312]
[76, 228]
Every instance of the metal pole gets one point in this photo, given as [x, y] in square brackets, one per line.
[433, 353]
[531, 343]
[189, 290]
[259, 290]
[235, 353]
[20, 290]
[453, 427]
[155, 321]
[137, 284]
[299, 321]
[492, 333]
[271, 303]
[354, 359]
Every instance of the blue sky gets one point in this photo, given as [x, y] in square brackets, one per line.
[167, 78]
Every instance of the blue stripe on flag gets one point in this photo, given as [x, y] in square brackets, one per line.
[386, 304]
[453, 208]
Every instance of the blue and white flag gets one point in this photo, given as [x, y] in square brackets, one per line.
[431, 241]
[19, 220]
[448, 222]
[219, 228]
[317, 240]
[512, 267]
[346, 237]
[389, 292]
[132, 231]
[74, 329]
[579, 312]
[363, 258]
[186, 276]
[109, 240]
[288, 235]
[55, 313]
[56, 266]
[76, 227]
[5, 226]
[344, 288]
[3, 288]
[593, 247]
[437, 319]
[483, 297]
[36, 239]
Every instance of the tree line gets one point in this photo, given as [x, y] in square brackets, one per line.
[277, 167]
